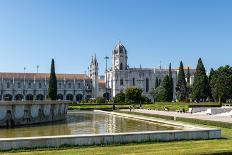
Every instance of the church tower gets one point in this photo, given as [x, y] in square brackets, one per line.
[119, 57]
[93, 74]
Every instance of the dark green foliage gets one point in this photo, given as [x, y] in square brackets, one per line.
[133, 95]
[200, 88]
[170, 89]
[119, 98]
[188, 76]
[221, 84]
[106, 95]
[100, 100]
[189, 90]
[160, 94]
[210, 89]
[52, 90]
[166, 85]
[181, 87]
[145, 99]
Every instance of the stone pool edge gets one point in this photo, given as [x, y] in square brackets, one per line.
[116, 138]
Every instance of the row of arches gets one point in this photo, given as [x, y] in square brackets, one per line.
[20, 97]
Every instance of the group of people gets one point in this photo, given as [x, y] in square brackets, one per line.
[132, 107]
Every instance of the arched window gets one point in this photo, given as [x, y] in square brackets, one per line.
[19, 85]
[121, 66]
[69, 85]
[29, 85]
[8, 85]
[147, 85]
[121, 82]
[60, 85]
[40, 85]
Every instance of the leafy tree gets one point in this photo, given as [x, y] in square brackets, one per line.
[119, 98]
[200, 88]
[133, 95]
[160, 94]
[181, 88]
[52, 90]
[170, 89]
[221, 84]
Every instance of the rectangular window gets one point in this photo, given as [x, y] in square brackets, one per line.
[19, 85]
[29, 85]
[40, 85]
[133, 81]
[121, 82]
[147, 85]
[8, 85]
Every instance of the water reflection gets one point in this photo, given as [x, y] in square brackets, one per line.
[85, 123]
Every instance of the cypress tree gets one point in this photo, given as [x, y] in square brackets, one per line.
[170, 91]
[188, 76]
[188, 82]
[200, 89]
[181, 88]
[166, 86]
[52, 90]
[210, 88]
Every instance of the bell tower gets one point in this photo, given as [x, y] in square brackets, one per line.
[93, 74]
[119, 57]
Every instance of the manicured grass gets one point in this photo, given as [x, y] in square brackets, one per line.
[97, 107]
[183, 119]
[223, 145]
[157, 106]
[166, 105]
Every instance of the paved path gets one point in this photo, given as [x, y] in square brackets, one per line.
[201, 116]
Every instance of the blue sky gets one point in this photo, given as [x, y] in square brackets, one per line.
[32, 32]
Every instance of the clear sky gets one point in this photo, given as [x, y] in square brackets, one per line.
[153, 31]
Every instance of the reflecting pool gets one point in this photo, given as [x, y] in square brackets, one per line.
[87, 122]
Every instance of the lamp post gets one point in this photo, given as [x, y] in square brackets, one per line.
[107, 96]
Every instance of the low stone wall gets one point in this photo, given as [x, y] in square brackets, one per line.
[31, 112]
[82, 140]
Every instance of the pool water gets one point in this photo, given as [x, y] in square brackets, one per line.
[88, 122]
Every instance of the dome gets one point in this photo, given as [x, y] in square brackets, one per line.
[119, 48]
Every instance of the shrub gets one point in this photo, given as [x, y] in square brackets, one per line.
[119, 98]
[133, 95]
[100, 100]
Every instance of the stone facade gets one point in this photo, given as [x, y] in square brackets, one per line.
[121, 76]
[31, 112]
[34, 86]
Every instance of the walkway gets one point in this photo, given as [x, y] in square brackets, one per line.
[201, 116]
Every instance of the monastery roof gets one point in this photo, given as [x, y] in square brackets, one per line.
[101, 83]
[43, 76]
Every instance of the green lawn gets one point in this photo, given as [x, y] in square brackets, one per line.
[173, 148]
[100, 107]
[158, 106]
